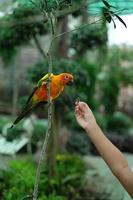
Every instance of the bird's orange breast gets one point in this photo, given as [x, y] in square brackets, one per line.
[41, 92]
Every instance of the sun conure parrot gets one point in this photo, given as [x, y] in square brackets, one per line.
[39, 94]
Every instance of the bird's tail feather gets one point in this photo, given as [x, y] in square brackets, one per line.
[25, 112]
[22, 115]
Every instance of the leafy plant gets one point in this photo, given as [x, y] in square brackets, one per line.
[68, 177]
[119, 122]
[110, 86]
[3, 121]
[48, 6]
[87, 38]
[14, 133]
[101, 120]
[126, 75]
[52, 197]
[18, 181]
[21, 33]
[78, 143]
[39, 131]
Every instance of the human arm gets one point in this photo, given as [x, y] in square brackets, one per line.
[111, 155]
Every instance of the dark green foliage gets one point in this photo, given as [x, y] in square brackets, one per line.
[47, 6]
[80, 11]
[66, 184]
[111, 80]
[110, 86]
[14, 133]
[24, 3]
[19, 180]
[54, 4]
[87, 38]
[69, 172]
[78, 143]
[110, 14]
[115, 121]
[36, 71]
[125, 56]
[51, 197]
[92, 71]
[101, 120]
[60, 66]
[22, 101]
[27, 31]
[39, 131]
[7, 49]
[119, 123]
[21, 33]
[3, 121]
[126, 76]
[3, 183]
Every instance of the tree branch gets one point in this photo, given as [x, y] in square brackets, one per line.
[42, 52]
[49, 128]
[78, 28]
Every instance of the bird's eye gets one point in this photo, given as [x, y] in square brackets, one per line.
[66, 77]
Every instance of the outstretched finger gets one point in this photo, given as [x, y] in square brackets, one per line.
[78, 111]
[77, 101]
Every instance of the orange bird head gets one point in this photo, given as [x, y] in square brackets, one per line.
[66, 78]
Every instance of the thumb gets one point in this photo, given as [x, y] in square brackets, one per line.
[83, 106]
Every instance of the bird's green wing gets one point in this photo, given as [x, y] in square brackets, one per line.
[44, 79]
[30, 97]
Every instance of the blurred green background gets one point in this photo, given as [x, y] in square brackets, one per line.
[103, 78]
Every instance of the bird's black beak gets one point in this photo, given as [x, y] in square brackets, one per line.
[70, 82]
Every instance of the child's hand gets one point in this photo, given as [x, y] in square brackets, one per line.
[84, 115]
